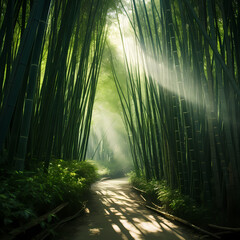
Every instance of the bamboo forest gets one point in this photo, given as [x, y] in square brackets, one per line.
[119, 119]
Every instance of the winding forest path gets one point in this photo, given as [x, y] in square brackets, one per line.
[115, 212]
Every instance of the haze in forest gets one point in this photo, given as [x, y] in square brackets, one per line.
[150, 86]
[108, 141]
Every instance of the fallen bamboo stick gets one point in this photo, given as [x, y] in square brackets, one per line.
[169, 216]
[46, 233]
[224, 228]
[156, 205]
[143, 198]
[139, 190]
[36, 221]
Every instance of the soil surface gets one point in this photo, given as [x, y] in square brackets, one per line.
[116, 212]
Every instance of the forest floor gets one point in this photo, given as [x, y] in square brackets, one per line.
[116, 212]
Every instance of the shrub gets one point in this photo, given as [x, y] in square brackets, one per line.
[171, 200]
[25, 195]
[112, 169]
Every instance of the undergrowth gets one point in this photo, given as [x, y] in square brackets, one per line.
[171, 200]
[111, 169]
[26, 195]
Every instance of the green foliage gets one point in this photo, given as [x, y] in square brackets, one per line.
[180, 205]
[81, 171]
[116, 169]
[112, 168]
[140, 182]
[182, 100]
[24, 195]
[171, 200]
[66, 68]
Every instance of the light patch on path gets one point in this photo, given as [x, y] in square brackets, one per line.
[115, 212]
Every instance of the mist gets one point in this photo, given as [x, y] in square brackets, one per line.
[108, 142]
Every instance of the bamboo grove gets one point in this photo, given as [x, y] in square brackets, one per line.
[181, 106]
[180, 102]
[50, 56]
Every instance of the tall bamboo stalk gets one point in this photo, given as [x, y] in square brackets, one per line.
[188, 123]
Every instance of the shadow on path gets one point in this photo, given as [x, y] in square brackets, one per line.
[115, 212]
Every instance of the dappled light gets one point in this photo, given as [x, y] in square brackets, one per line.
[122, 210]
[117, 211]
[98, 91]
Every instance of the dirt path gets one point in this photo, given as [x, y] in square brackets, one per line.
[115, 212]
